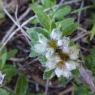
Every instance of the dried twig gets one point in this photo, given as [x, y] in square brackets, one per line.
[15, 22]
[66, 91]
[71, 1]
[80, 36]
[24, 33]
[8, 33]
[79, 14]
[87, 77]
[83, 33]
[46, 87]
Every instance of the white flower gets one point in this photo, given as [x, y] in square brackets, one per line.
[1, 77]
[66, 41]
[63, 69]
[52, 62]
[62, 72]
[72, 51]
[44, 45]
[61, 56]
[60, 43]
[66, 49]
[65, 44]
[70, 65]
[49, 53]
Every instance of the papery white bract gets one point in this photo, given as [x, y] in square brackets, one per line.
[74, 53]
[62, 72]
[49, 53]
[52, 62]
[61, 69]
[70, 65]
[1, 78]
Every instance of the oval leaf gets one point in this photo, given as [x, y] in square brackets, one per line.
[61, 12]
[44, 19]
[48, 3]
[21, 86]
[3, 92]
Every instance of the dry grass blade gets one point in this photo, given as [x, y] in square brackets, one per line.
[87, 77]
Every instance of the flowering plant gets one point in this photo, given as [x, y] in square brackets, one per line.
[60, 53]
[58, 47]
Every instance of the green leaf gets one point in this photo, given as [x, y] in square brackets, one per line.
[92, 32]
[75, 73]
[48, 3]
[44, 19]
[90, 61]
[33, 53]
[21, 85]
[3, 57]
[42, 59]
[33, 33]
[3, 92]
[11, 53]
[2, 15]
[61, 12]
[81, 90]
[10, 71]
[48, 74]
[68, 26]
[35, 21]
[62, 80]
[38, 30]
[33, 1]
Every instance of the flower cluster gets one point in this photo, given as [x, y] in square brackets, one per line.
[61, 55]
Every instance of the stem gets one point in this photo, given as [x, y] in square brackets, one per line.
[82, 9]
[46, 87]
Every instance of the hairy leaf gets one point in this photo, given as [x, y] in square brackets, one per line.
[44, 19]
[61, 12]
[48, 3]
[48, 74]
